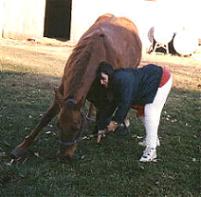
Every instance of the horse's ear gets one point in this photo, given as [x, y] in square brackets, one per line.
[58, 96]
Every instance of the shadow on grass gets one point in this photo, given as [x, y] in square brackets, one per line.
[109, 169]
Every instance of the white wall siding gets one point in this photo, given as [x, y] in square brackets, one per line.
[24, 17]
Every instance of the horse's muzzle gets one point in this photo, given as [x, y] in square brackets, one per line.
[67, 152]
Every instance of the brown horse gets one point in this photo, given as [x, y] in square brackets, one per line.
[111, 39]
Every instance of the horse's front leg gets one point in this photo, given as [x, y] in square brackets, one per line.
[20, 150]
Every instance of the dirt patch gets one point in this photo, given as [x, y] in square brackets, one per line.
[49, 57]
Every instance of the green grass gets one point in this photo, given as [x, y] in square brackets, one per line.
[109, 169]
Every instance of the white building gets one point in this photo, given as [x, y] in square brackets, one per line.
[69, 19]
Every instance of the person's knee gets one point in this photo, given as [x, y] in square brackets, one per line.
[151, 122]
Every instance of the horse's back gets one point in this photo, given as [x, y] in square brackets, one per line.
[121, 39]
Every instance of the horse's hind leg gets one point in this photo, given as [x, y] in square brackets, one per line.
[21, 149]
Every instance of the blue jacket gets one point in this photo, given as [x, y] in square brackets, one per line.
[133, 86]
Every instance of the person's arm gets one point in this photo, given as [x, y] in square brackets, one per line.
[104, 115]
[124, 104]
[126, 91]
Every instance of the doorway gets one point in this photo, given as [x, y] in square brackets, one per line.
[58, 19]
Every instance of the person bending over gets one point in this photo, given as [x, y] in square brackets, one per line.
[144, 89]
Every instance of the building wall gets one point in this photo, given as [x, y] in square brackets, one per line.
[85, 13]
[22, 18]
[168, 16]
[1, 17]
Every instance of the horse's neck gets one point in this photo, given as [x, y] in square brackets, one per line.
[97, 54]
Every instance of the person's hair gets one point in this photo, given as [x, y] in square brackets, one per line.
[105, 68]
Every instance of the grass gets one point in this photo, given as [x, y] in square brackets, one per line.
[109, 169]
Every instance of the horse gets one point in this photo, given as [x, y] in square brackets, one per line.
[112, 39]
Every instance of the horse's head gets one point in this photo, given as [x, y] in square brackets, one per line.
[70, 124]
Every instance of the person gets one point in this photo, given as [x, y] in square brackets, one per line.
[144, 89]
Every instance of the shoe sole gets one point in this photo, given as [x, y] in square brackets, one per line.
[150, 160]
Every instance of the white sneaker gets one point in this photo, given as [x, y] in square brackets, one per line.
[143, 143]
[149, 154]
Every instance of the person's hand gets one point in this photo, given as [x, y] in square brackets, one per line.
[101, 133]
[112, 126]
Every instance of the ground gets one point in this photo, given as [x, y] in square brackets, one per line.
[29, 70]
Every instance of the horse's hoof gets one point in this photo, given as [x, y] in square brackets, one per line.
[18, 153]
[60, 156]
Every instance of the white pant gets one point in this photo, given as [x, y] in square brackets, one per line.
[152, 113]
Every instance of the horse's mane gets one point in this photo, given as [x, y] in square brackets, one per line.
[76, 65]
